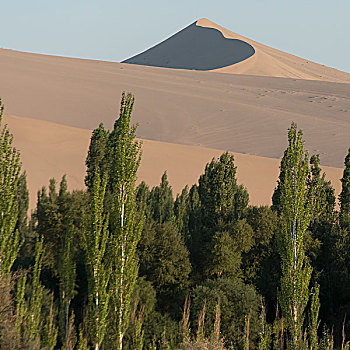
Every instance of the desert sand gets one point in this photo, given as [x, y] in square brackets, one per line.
[185, 117]
[235, 112]
[50, 150]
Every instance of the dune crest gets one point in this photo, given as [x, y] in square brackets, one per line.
[205, 45]
[271, 62]
[195, 47]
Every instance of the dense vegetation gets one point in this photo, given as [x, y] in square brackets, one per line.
[123, 267]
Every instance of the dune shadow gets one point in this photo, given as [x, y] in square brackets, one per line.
[196, 48]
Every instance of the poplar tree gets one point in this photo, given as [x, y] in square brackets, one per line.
[67, 276]
[124, 160]
[96, 238]
[96, 157]
[222, 205]
[344, 196]
[9, 175]
[33, 325]
[162, 201]
[33, 322]
[23, 204]
[296, 208]
[181, 212]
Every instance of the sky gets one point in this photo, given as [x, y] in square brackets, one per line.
[114, 30]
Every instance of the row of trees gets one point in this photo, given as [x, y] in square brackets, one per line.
[119, 266]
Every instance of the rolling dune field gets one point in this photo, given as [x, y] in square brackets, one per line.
[203, 91]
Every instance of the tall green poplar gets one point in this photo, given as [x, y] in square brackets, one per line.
[67, 276]
[96, 238]
[162, 201]
[124, 160]
[344, 196]
[9, 175]
[97, 155]
[295, 208]
[36, 293]
[23, 203]
[222, 205]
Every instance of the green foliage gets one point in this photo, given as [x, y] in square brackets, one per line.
[35, 326]
[67, 277]
[261, 262]
[22, 203]
[327, 341]
[124, 154]
[344, 197]
[136, 325]
[181, 211]
[219, 193]
[10, 336]
[50, 330]
[164, 258]
[314, 322]
[162, 201]
[215, 206]
[322, 189]
[276, 197]
[201, 345]
[116, 263]
[296, 207]
[265, 331]
[50, 225]
[225, 257]
[82, 343]
[236, 301]
[97, 157]
[142, 200]
[96, 239]
[10, 167]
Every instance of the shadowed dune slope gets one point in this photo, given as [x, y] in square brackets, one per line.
[195, 47]
[235, 112]
[52, 150]
[205, 45]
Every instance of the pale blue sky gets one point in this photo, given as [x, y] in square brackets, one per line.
[113, 30]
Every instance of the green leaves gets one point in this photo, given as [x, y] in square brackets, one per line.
[10, 167]
[219, 192]
[124, 154]
[96, 239]
[344, 197]
[113, 229]
[295, 207]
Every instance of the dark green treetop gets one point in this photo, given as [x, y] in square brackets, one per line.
[344, 196]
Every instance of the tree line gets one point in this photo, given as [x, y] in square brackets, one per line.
[120, 266]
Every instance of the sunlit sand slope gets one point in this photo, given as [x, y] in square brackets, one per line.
[239, 113]
[52, 150]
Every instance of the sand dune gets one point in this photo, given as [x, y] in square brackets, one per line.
[185, 117]
[235, 112]
[205, 45]
[52, 150]
[195, 47]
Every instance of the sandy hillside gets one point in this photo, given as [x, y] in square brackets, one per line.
[185, 116]
[205, 45]
[52, 150]
[271, 62]
[235, 112]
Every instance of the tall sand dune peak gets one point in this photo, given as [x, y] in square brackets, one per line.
[195, 47]
[205, 45]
